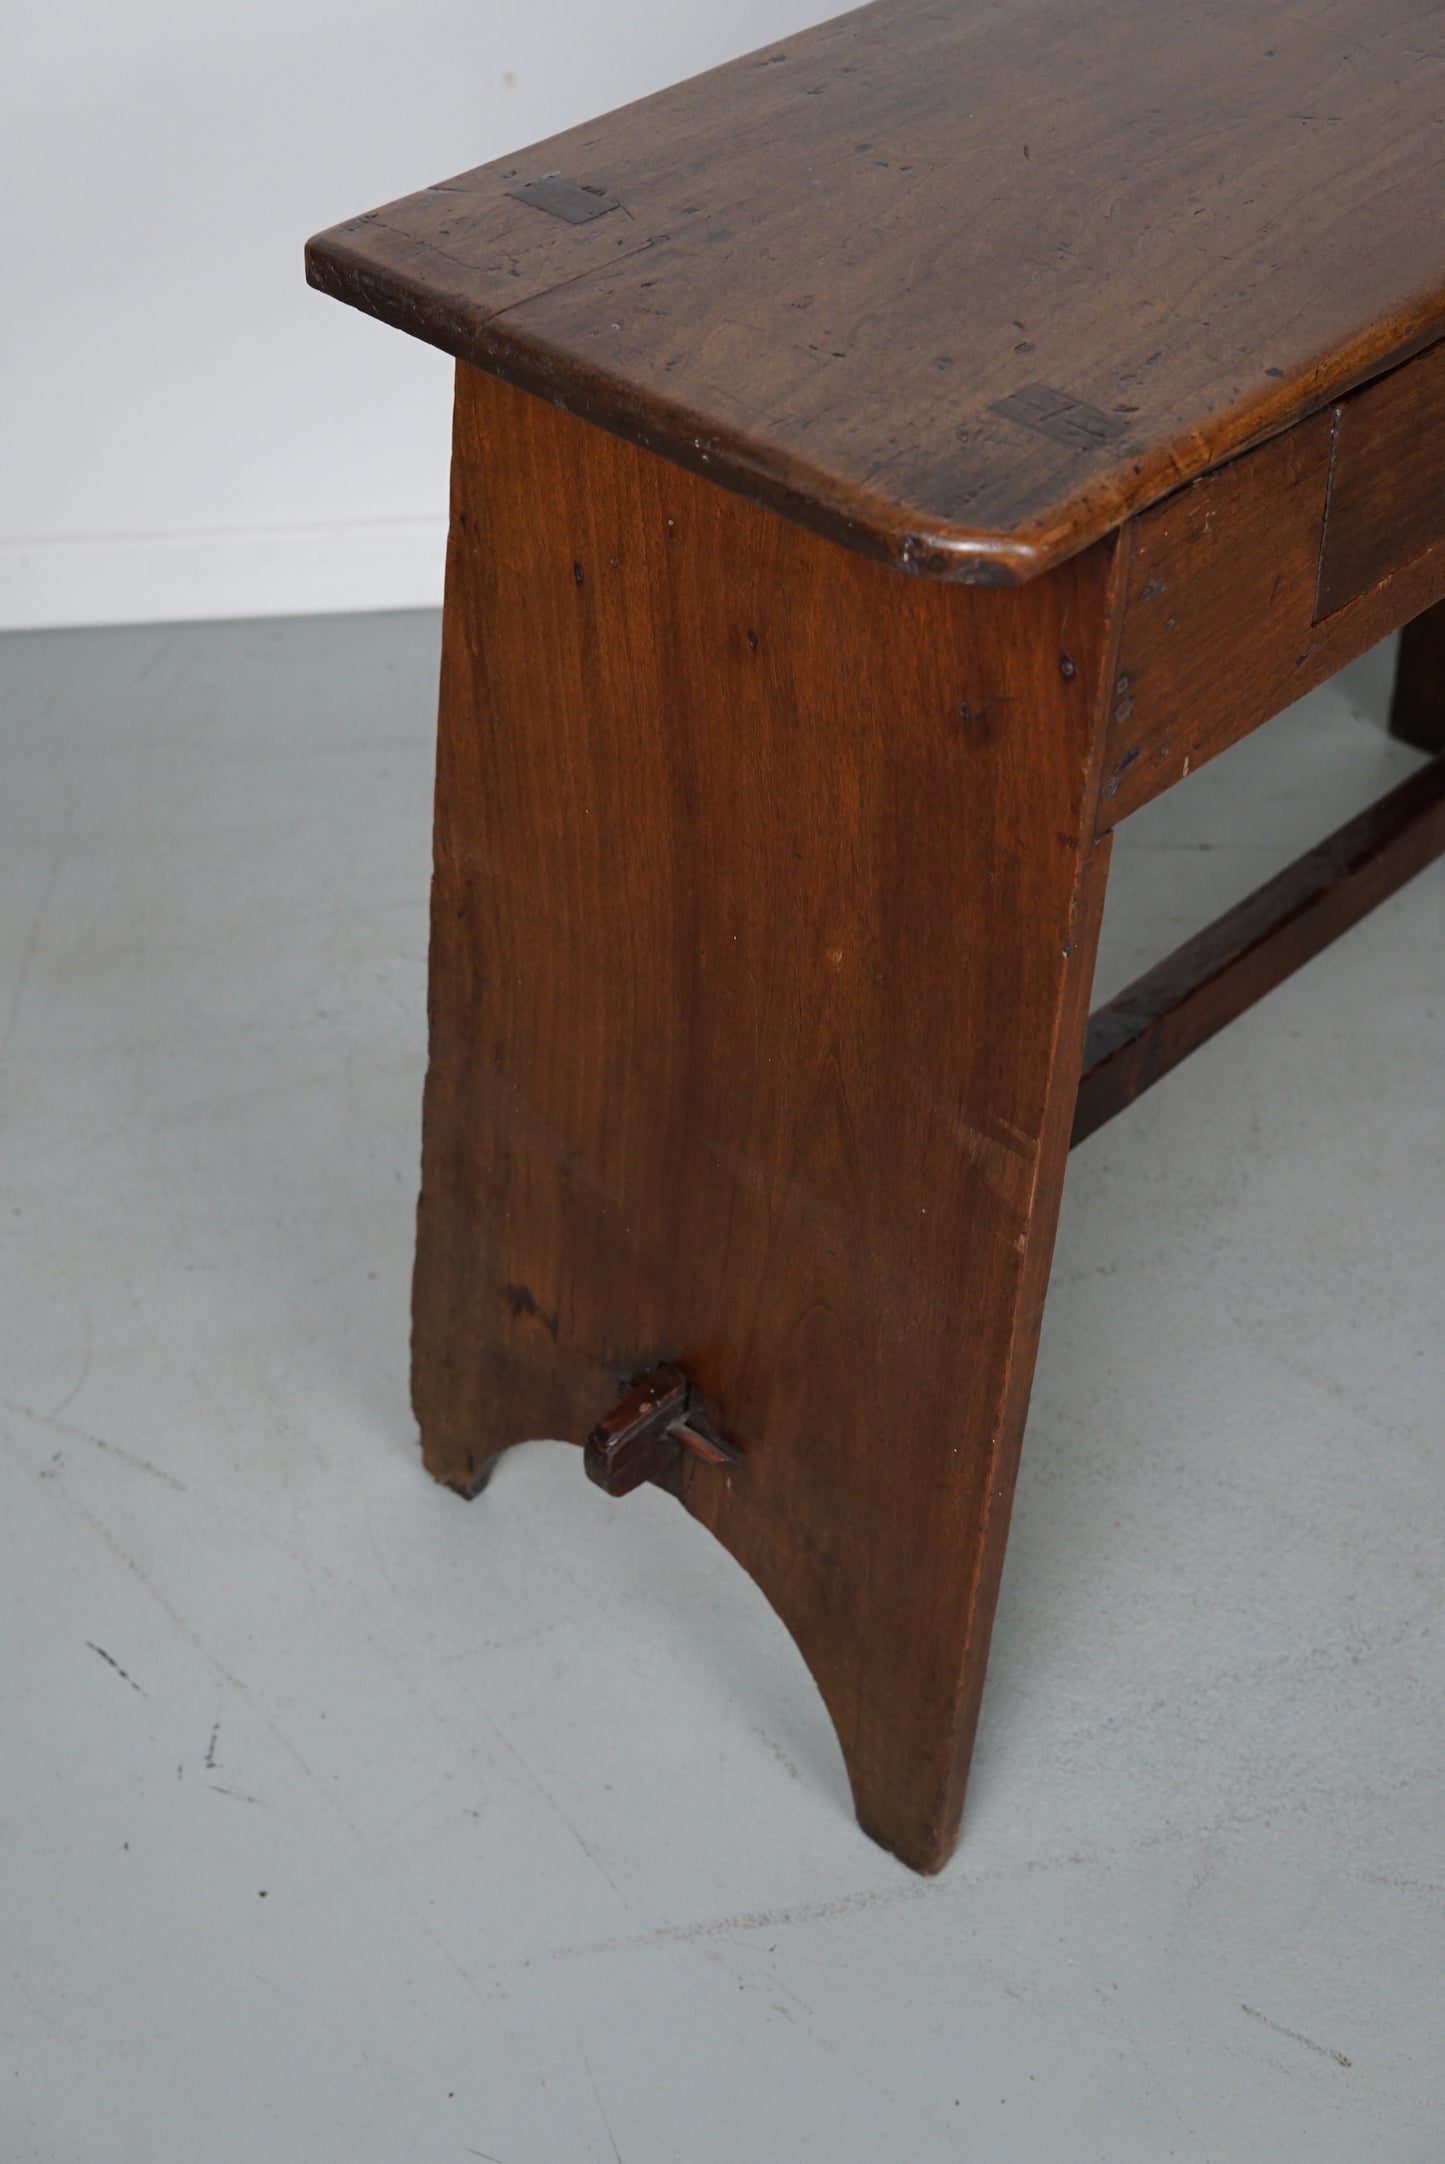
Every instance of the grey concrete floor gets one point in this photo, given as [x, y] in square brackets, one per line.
[347, 1823]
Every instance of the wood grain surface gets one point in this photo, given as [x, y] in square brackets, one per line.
[1219, 630]
[962, 283]
[1386, 500]
[763, 926]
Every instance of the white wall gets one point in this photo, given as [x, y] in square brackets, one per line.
[185, 429]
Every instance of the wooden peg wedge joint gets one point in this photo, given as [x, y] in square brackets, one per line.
[647, 1428]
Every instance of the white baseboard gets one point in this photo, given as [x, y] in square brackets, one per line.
[179, 577]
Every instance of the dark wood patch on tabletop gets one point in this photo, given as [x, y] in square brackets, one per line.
[563, 198]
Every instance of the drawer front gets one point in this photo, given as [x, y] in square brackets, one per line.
[1386, 502]
[1223, 623]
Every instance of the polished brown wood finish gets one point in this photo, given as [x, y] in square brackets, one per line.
[1185, 1000]
[961, 283]
[1417, 711]
[1219, 630]
[768, 881]
[763, 924]
[1374, 527]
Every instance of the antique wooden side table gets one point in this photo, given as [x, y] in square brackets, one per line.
[881, 465]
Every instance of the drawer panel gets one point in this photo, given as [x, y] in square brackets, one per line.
[1386, 502]
[1220, 627]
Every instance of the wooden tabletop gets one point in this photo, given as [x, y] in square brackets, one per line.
[962, 283]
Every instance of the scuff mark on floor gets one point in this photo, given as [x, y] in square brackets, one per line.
[239, 1793]
[112, 1662]
[84, 1435]
[600, 2105]
[1326, 2051]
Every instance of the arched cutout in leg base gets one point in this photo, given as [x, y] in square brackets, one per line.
[905, 1774]
[892, 1631]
